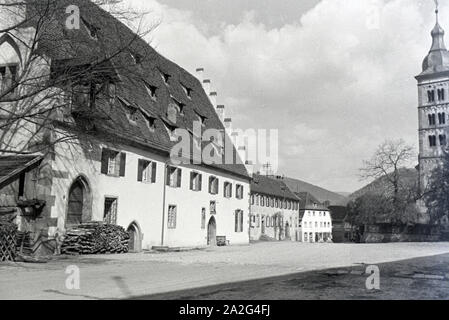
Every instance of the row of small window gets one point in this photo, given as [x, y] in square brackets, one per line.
[172, 219]
[320, 213]
[441, 118]
[431, 95]
[265, 201]
[196, 181]
[274, 221]
[321, 225]
[113, 163]
[433, 140]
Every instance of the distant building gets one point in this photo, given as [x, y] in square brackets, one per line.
[315, 222]
[433, 105]
[274, 210]
[342, 229]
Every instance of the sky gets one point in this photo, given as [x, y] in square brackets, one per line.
[335, 77]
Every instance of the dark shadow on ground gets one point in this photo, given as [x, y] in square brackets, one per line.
[414, 279]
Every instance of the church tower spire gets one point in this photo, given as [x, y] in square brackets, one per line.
[433, 104]
[438, 58]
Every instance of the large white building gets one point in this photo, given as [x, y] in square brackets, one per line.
[433, 105]
[315, 221]
[122, 115]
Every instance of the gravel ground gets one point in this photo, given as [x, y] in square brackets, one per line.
[148, 274]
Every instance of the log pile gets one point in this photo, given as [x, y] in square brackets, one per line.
[95, 238]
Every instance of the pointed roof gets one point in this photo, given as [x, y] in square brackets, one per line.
[271, 187]
[438, 58]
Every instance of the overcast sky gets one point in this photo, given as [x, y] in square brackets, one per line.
[336, 77]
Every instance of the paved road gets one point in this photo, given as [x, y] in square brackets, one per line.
[134, 275]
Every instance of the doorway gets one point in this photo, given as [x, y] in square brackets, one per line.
[135, 238]
[212, 232]
[78, 202]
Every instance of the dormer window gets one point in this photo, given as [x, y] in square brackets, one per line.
[201, 119]
[188, 91]
[179, 105]
[151, 90]
[136, 57]
[132, 113]
[91, 29]
[165, 77]
[151, 123]
[171, 130]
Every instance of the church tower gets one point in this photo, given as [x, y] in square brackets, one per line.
[433, 105]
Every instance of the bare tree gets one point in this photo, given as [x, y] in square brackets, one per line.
[436, 195]
[386, 164]
[59, 72]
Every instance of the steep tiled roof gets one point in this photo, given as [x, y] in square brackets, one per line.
[309, 202]
[140, 71]
[12, 166]
[271, 187]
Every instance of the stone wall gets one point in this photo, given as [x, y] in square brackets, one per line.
[385, 233]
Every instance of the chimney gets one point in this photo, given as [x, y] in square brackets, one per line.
[200, 74]
[242, 153]
[228, 124]
[250, 168]
[206, 86]
[234, 137]
[221, 112]
[213, 98]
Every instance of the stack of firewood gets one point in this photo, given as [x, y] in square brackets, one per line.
[95, 238]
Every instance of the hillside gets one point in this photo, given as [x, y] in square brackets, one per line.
[321, 194]
[408, 176]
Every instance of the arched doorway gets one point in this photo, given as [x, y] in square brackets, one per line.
[212, 232]
[135, 238]
[78, 210]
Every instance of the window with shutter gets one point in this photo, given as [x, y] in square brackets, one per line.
[146, 171]
[178, 177]
[113, 163]
[195, 181]
[213, 185]
[122, 169]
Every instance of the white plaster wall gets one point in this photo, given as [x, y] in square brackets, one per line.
[143, 202]
[189, 207]
[263, 211]
[310, 218]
